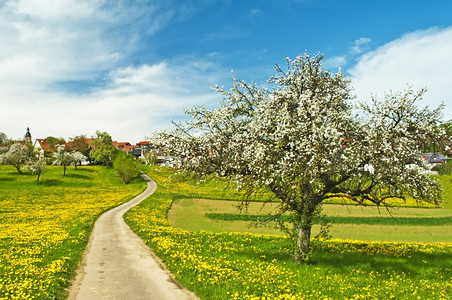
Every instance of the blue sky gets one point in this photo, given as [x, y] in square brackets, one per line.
[72, 67]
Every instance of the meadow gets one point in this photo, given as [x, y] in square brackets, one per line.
[243, 265]
[45, 225]
[367, 223]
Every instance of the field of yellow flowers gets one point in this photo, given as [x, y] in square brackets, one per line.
[248, 266]
[45, 226]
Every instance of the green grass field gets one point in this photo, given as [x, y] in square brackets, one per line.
[348, 222]
[44, 228]
[225, 264]
[45, 225]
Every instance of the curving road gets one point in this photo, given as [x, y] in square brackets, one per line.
[118, 265]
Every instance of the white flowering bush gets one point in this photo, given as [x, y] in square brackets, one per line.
[304, 141]
[64, 158]
[37, 164]
[16, 155]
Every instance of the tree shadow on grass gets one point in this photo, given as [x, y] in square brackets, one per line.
[50, 182]
[79, 176]
[5, 179]
[86, 169]
[411, 265]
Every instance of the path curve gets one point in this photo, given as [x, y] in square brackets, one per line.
[118, 265]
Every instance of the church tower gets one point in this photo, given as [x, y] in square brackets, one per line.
[28, 139]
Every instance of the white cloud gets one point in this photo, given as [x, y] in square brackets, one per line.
[335, 62]
[47, 43]
[420, 59]
[136, 101]
[358, 45]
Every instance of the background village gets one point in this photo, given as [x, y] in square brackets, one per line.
[142, 151]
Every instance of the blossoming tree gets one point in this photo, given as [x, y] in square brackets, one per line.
[304, 142]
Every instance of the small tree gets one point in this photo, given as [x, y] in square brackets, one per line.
[77, 158]
[63, 157]
[103, 150]
[126, 167]
[3, 139]
[17, 155]
[37, 165]
[302, 141]
[79, 143]
[150, 158]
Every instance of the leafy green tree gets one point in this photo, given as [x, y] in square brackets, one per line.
[54, 142]
[150, 158]
[17, 155]
[79, 143]
[103, 150]
[126, 166]
[303, 141]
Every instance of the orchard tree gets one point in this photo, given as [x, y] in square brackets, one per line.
[79, 143]
[54, 142]
[17, 155]
[303, 141]
[103, 150]
[64, 157]
[77, 158]
[37, 164]
[3, 139]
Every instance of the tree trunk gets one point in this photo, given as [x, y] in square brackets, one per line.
[39, 174]
[64, 170]
[303, 250]
[18, 169]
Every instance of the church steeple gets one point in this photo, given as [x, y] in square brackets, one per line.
[28, 139]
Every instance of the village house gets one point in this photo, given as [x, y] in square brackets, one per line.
[138, 151]
[434, 158]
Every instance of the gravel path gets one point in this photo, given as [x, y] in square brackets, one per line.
[118, 265]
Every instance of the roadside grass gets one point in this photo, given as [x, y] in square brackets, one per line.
[45, 225]
[240, 265]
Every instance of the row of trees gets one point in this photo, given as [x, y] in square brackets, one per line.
[78, 150]
[307, 140]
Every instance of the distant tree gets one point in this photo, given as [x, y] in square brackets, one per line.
[63, 157]
[150, 158]
[3, 139]
[54, 142]
[303, 142]
[126, 166]
[4, 143]
[37, 164]
[103, 150]
[78, 158]
[17, 155]
[80, 144]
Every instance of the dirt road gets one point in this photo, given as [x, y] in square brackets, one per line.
[118, 265]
